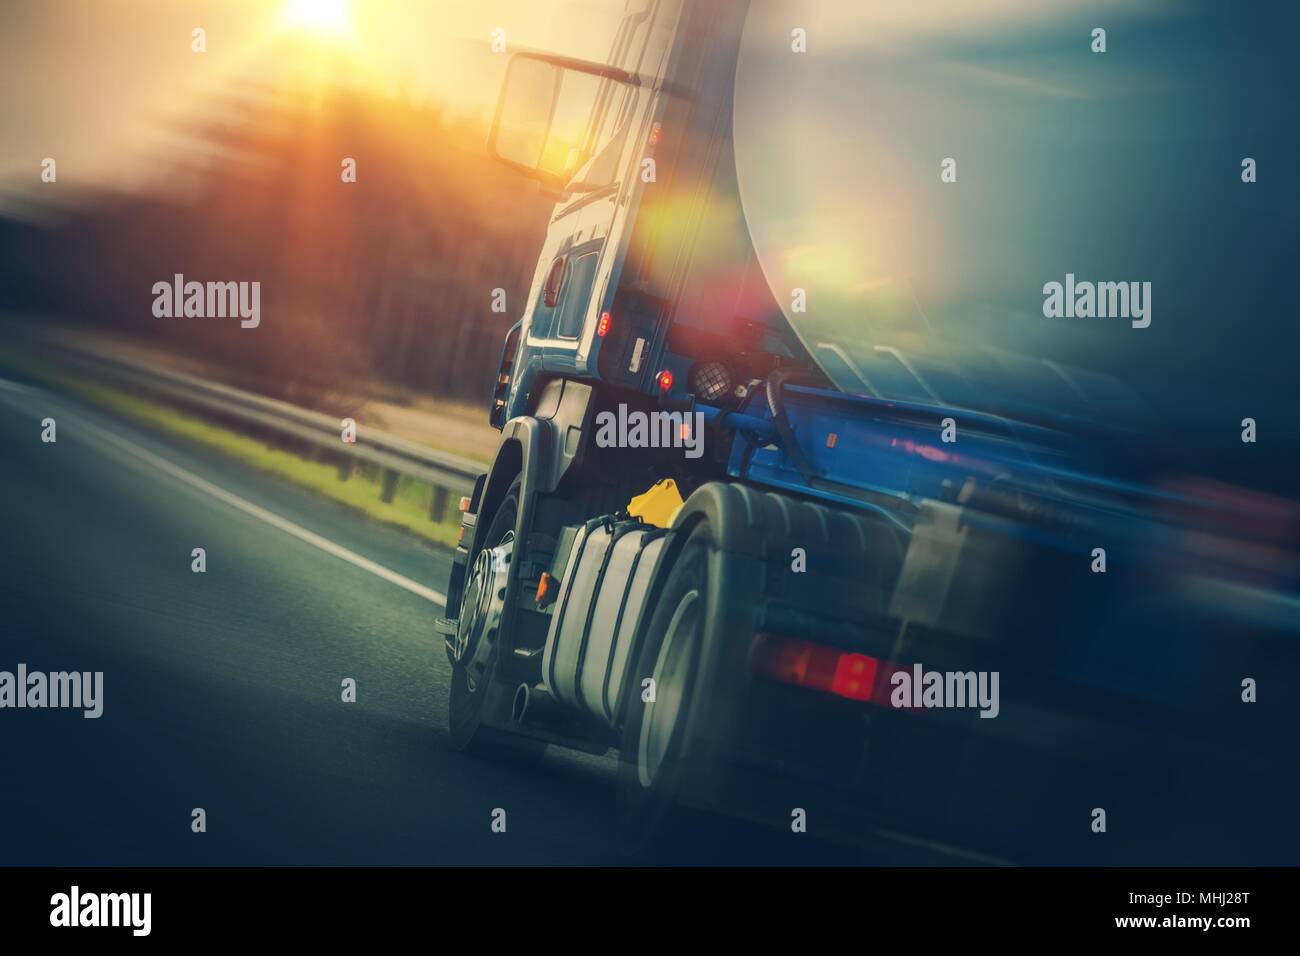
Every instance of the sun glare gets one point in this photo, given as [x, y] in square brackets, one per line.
[323, 17]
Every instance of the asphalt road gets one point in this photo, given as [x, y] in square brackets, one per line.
[222, 690]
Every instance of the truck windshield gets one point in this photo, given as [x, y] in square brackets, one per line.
[611, 118]
[612, 107]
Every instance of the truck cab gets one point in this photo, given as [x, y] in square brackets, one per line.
[646, 275]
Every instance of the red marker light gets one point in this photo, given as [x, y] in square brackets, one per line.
[602, 327]
[656, 131]
[665, 379]
[818, 667]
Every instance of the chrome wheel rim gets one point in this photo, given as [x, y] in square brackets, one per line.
[482, 610]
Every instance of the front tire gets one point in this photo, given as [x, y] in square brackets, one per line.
[479, 702]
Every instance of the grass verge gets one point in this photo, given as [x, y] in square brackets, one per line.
[409, 509]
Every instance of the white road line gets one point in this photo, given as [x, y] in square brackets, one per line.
[261, 514]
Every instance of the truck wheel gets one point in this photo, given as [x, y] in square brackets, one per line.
[479, 703]
[731, 569]
[653, 761]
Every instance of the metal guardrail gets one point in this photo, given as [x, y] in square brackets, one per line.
[448, 474]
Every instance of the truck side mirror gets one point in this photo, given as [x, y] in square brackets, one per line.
[545, 116]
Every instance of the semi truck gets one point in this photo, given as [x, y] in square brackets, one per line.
[874, 588]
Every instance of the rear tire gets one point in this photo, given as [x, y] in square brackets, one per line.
[734, 565]
[656, 756]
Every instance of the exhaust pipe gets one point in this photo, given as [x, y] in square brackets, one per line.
[536, 713]
[519, 708]
[535, 707]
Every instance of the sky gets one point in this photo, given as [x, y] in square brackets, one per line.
[92, 83]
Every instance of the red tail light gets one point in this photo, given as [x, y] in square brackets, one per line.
[602, 327]
[665, 379]
[814, 666]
